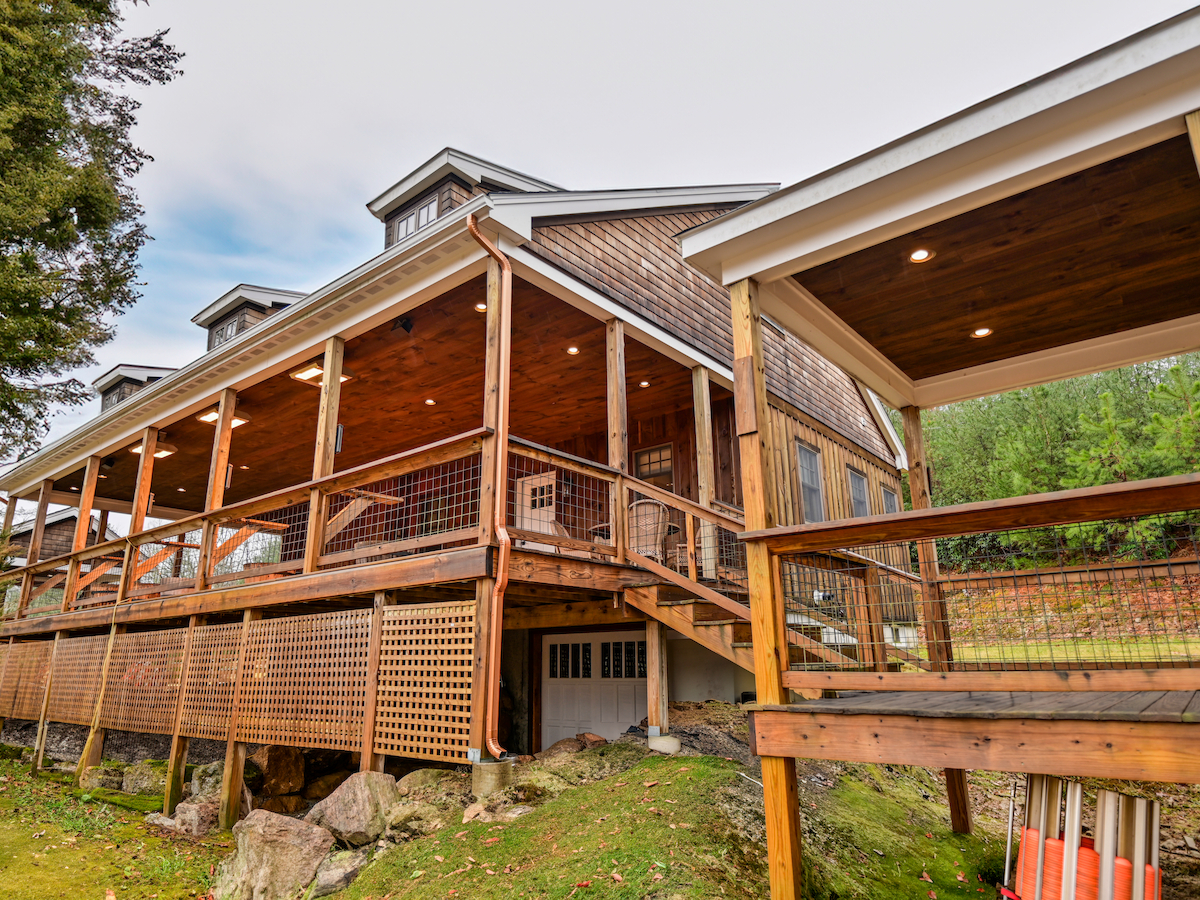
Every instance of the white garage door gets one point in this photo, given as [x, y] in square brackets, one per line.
[592, 682]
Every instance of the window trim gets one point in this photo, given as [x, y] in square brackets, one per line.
[670, 447]
[802, 445]
[895, 495]
[850, 473]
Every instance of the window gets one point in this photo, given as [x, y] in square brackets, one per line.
[224, 332]
[572, 660]
[619, 659]
[655, 466]
[417, 219]
[858, 494]
[810, 483]
[113, 396]
[891, 503]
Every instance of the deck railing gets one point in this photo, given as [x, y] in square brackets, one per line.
[1094, 589]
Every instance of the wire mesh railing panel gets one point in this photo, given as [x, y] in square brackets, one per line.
[46, 593]
[10, 591]
[423, 709]
[433, 508]
[23, 687]
[558, 509]
[169, 563]
[212, 676]
[141, 689]
[304, 681]
[261, 547]
[75, 679]
[98, 582]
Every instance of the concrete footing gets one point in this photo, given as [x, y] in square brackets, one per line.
[490, 776]
[663, 743]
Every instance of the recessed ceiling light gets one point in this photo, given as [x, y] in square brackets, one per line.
[922, 255]
[101, 476]
[181, 490]
[573, 350]
[243, 467]
[480, 307]
[431, 403]
[643, 384]
[74, 488]
[981, 332]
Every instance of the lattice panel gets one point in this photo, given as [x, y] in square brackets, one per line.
[142, 687]
[25, 680]
[304, 681]
[211, 679]
[425, 668]
[75, 679]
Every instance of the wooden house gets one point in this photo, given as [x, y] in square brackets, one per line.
[1050, 232]
[480, 493]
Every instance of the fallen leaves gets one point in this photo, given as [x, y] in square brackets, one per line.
[925, 877]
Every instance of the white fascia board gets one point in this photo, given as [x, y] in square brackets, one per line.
[559, 284]
[471, 169]
[1118, 100]
[137, 373]
[517, 211]
[436, 258]
[263, 296]
[880, 414]
[1100, 354]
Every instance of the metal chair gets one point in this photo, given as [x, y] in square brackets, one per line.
[648, 529]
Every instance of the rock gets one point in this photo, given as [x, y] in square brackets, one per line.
[515, 812]
[356, 813]
[285, 804]
[157, 818]
[252, 777]
[337, 870]
[206, 780]
[197, 818]
[590, 740]
[421, 778]
[110, 777]
[282, 769]
[275, 858]
[524, 758]
[409, 820]
[325, 785]
[476, 811]
[566, 745]
[318, 762]
[145, 778]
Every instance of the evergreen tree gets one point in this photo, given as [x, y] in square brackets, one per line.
[1175, 423]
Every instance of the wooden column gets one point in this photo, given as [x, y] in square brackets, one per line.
[235, 750]
[218, 475]
[369, 760]
[10, 510]
[759, 490]
[493, 359]
[705, 468]
[177, 763]
[327, 421]
[145, 477]
[937, 633]
[476, 743]
[618, 429]
[34, 553]
[658, 718]
[83, 526]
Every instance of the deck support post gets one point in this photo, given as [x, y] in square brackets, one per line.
[34, 553]
[145, 477]
[177, 763]
[658, 717]
[10, 512]
[93, 748]
[618, 429]
[327, 422]
[235, 750]
[39, 744]
[83, 528]
[705, 469]
[760, 493]
[937, 625]
[369, 760]
[493, 353]
[218, 478]
[477, 733]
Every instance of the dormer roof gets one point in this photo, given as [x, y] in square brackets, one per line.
[264, 297]
[471, 169]
[116, 374]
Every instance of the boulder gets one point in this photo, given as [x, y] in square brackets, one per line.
[356, 813]
[322, 787]
[590, 740]
[476, 811]
[197, 818]
[336, 872]
[566, 745]
[515, 812]
[409, 820]
[421, 778]
[157, 818]
[145, 778]
[206, 780]
[282, 769]
[276, 858]
[285, 804]
[110, 777]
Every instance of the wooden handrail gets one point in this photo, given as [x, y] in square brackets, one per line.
[1111, 501]
[564, 460]
[683, 504]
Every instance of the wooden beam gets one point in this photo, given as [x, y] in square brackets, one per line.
[771, 658]
[10, 510]
[1138, 751]
[656, 678]
[83, 526]
[476, 734]
[618, 407]
[34, 553]
[1180, 678]
[218, 466]
[326, 446]
[718, 640]
[1192, 121]
[581, 614]
[145, 477]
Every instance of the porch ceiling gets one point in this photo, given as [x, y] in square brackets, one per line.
[1103, 251]
[555, 396]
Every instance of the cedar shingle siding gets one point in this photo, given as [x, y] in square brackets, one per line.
[636, 262]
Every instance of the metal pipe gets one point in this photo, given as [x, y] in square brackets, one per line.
[495, 628]
[1012, 809]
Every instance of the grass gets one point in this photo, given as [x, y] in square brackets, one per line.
[652, 831]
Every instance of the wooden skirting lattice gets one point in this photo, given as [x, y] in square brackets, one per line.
[211, 679]
[75, 678]
[24, 679]
[425, 668]
[304, 682]
[142, 687]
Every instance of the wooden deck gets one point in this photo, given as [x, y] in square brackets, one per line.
[1139, 735]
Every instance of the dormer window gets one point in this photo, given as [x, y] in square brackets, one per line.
[415, 220]
[225, 331]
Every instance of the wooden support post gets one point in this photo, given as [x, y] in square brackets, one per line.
[657, 693]
[83, 528]
[145, 477]
[235, 750]
[177, 763]
[618, 429]
[218, 475]
[369, 760]
[327, 422]
[39, 744]
[476, 735]
[10, 511]
[873, 590]
[705, 465]
[93, 749]
[760, 492]
[493, 353]
[937, 626]
[1192, 120]
[34, 553]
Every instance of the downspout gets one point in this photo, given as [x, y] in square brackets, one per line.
[500, 506]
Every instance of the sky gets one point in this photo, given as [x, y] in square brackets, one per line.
[290, 117]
